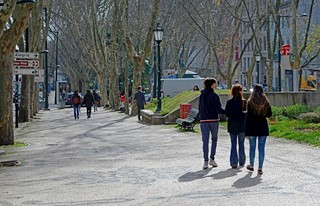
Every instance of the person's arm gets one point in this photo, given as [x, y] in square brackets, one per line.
[218, 105]
[269, 112]
[228, 109]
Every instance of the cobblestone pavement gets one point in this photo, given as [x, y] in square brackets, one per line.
[111, 159]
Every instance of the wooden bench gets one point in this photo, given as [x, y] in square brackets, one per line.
[189, 122]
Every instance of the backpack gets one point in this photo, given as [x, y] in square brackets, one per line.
[76, 100]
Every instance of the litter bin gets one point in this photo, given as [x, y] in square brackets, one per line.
[184, 110]
[62, 104]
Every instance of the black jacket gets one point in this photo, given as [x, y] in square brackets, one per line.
[88, 99]
[256, 125]
[235, 108]
[209, 106]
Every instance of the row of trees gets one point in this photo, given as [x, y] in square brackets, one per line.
[105, 38]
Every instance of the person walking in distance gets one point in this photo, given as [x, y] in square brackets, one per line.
[97, 99]
[76, 102]
[89, 102]
[256, 125]
[209, 109]
[235, 111]
[140, 100]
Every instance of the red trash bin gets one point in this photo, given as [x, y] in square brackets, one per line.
[184, 110]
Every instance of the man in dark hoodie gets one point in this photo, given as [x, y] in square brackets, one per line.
[209, 109]
[89, 101]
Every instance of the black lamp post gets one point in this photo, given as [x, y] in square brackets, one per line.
[158, 33]
[154, 93]
[279, 49]
[56, 85]
[258, 58]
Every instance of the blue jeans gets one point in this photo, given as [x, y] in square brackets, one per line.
[234, 158]
[76, 111]
[261, 146]
[206, 129]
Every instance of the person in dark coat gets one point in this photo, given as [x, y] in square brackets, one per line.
[89, 102]
[76, 102]
[256, 125]
[209, 110]
[235, 111]
[140, 100]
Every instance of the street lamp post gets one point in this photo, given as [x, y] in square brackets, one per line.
[154, 93]
[279, 54]
[56, 85]
[46, 72]
[279, 49]
[158, 33]
[258, 58]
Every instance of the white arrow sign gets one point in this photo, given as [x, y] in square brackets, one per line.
[25, 71]
[26, 55]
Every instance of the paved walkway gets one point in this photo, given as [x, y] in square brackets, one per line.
[111, 159]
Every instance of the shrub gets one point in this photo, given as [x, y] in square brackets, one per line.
[311, 117]
[277, 112]
[294, 111]
[317, 110]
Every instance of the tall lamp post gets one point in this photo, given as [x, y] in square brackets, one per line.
[258, 58]
[56, 91]
[158, 33]
[154, 93]
[279, 49]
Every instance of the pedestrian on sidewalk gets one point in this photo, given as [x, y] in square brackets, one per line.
[89, 102]
[236, 113]
[97, 99]
[209, 109]
[76, 102]
[256, 125]
[140, 100]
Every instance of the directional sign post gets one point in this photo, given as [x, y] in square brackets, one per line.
[26, 63]
[25, 71]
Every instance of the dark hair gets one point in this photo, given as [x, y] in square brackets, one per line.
[236, 91]
[259, 101]
[139, 87]
[88, 90]
[195, 88]
[208, 82]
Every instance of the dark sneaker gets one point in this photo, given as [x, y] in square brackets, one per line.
[260, 171]
[250, 168]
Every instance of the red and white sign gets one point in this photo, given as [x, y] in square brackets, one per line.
[285, 50]
[26, 63]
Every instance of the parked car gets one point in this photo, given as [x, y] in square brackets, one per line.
[147, 97]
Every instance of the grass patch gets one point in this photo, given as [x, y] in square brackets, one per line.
[296, 130]
[16, 144]
[169, 104]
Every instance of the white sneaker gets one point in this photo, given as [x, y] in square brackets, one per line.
[205, 165]
[213, 163]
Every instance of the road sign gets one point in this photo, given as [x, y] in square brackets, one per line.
[26, 63]
[25, 71]
[285, 50]
[26, 55]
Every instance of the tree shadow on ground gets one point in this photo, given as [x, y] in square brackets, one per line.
[190, 176]
[247, 181]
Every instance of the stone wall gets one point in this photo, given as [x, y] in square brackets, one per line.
[276, 98]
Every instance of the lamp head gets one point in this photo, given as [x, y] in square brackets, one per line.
[158, 33]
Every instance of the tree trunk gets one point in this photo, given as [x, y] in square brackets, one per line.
[103, 91]
[137, 76]
[24, 110]
[6, 110]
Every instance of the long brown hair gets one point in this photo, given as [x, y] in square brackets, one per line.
[236, 91]
[259, 101]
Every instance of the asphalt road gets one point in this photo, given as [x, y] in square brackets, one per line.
[112, 159]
